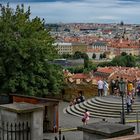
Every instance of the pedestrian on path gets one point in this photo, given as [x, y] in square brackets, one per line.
[129, 103]
[100, 87]
[106, 88]
[85, 117]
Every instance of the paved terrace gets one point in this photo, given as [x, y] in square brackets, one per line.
[70, 122]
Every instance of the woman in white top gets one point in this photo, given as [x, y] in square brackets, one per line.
[105, 88]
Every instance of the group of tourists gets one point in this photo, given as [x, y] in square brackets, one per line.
[131, 89]
[112, 87]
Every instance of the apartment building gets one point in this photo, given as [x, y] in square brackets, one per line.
[99, 45]
[79, 47]
[119, 46]
[70, 48]
[64, 48]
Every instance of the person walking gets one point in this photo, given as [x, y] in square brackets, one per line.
[100, 87]
[129, 87]
[129, 103]
[116, 87]
[85, 117]
[106, 88]
[112, 85]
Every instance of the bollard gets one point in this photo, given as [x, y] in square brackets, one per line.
[103, 119]
[63, 137]
[137, 116]
[60, 134]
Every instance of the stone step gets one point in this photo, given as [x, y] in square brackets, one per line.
[96, 110]
[70, 111]
[95, 107]
[77, 111]
[101, 108]
[94, 102]
[101, 112]
[113, 101]
[117, 99]
[97, 103]
[112, 104]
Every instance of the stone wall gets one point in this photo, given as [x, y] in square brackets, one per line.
[72, 91]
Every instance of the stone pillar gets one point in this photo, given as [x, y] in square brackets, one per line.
[24, 112]
[37, 125]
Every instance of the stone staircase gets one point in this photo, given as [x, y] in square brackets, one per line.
[103, 107]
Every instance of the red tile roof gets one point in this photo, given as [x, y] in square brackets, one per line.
[105, 70]
[80, 76]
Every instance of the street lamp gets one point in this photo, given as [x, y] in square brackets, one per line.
[122, 92]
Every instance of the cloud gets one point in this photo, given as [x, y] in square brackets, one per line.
[84, 10]
[107, 17]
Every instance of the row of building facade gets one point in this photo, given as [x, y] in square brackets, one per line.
[111, 47]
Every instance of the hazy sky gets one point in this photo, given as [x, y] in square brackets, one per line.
[69, 11]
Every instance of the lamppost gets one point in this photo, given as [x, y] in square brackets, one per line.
[122, 92]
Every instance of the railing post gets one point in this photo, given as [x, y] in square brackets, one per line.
[23, 131]
[19, 129]
[59, 133]
[7, 127]
[137, 116]
[63, 137]
[3, 130]
[15, 131]
[27, 131]
[11, 131]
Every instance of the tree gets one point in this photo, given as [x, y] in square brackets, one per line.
[104, 55]
[86, 60]
[130, 61]
[66, 56]
[94, 56]
[77, 55]
[123, 53]
[126, 60]
[25, 48]
[101, 56]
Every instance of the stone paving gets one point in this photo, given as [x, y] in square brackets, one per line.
[68, 121]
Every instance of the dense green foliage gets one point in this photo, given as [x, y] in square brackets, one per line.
[101, 56]
[85, 68]
[81, 69]
[123, 53]
[94, 56]
[123, 60]
[25, 48]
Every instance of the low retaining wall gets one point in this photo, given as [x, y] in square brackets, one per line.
[130, 137]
